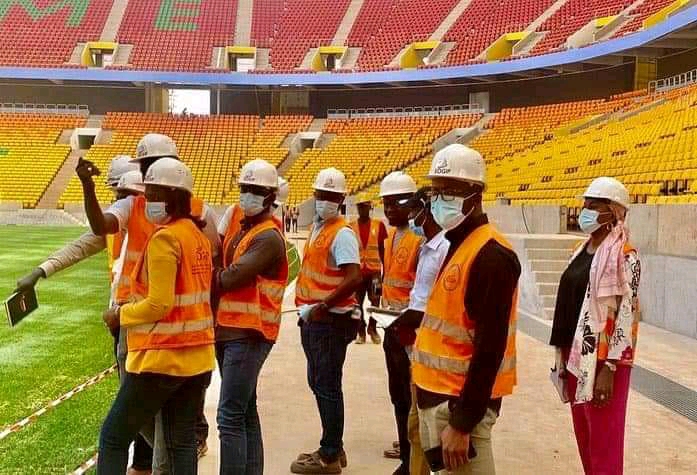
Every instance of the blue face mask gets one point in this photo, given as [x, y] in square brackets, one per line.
[588, 220]
[448, 214]
[418, 230]
[251, 204]
[156, 212]
[326, 209]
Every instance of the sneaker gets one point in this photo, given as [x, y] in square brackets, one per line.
[391, 453]
[202, 449]
[375, 338]
[360, 340]
[314, 464]
[343, 461]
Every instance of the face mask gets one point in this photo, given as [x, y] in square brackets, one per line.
[251, 204]
[326, 209]
[418, 230]
[588, 220]
[448, 214]
[156, 212]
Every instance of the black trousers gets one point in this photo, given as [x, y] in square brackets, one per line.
[399, 379]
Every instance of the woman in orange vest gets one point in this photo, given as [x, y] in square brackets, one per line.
[371, 234]
[595, 327]
[464, 358]
[402, 248]
[251, 288]
[170, 328]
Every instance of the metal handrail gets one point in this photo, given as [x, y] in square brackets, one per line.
[416, 111]
[30, 108]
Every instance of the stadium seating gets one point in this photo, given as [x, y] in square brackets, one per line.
[641, 13]
[368, 149]
[29, 155]
[214, 147]
[384, 27]
[485, 21]
[178, 40]
[42, 36]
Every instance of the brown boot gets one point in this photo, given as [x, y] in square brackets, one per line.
[343, 461]
[315, 464]
[375, 337]
[360, 340]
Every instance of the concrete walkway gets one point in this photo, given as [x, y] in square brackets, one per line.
[533, 435]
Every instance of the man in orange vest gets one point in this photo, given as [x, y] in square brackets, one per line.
[251, 288]
[464, 358]
[325, 296]
[371, 235]
[139, 219]
[402, 249]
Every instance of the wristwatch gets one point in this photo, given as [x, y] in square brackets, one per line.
[611, 366]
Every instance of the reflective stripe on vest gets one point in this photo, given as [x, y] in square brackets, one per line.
[400, 268]
[258, 305]
[370, 254]
[444, 343]
[190, 320]
[317, 280]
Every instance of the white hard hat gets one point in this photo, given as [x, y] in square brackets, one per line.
[156, 146]
[119, 165]
[259, 173]
[397, 183]
[172, 173]
[131, 181]
[283, 191]
[459, 162]
[330, 179]
[608, 188]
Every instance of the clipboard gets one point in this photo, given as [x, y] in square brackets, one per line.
[20, 304]
[384, 316]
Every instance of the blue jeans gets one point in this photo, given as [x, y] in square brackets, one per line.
[241, 445]
[139, 399]
[325, 349]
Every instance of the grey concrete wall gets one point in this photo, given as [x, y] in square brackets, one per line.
[527, 219]
[528, 296]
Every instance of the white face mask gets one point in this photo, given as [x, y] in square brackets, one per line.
[448, 214]
[326, 209]
[156, 212]
[251, 204]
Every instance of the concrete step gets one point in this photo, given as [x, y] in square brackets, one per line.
[450, 20]
[347, 22]
[263, 59]
[554, 8]
[441, 51]
[548, 254]
[549, 313]
[113, 21]
[549, 301]
[76, 55]
[546, 277]
[317, 125]
[243, 22]
[350, 58]
[548, 288]
[49, 200]
[122, 55]
[555, 265]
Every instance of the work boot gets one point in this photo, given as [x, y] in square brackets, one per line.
[375, 337]
[343, 461]
[360, 340]
[202, 448]
[315, 464]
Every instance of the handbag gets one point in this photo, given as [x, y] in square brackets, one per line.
[560, 378]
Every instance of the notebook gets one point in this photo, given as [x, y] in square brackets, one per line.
[20, 304]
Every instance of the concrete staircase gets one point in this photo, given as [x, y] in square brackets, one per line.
[307, 60]
[449, 20]
[113, 21]
[529, 43]
[548, 257]
[49, 200]
[317, 125]
[122, 55]
[350, 58]
[440, 52]
[347, 22]
[263, 61]
[243, 23]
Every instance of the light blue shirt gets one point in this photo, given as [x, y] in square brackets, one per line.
[431, 258]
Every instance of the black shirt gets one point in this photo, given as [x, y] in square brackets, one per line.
[488, 299]
[572, 290]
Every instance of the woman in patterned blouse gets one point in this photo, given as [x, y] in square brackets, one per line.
[595, 327]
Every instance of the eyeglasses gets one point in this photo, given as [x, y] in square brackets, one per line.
[448, 194]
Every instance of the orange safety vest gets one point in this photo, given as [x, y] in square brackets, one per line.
[444, 344]
[400, 268]
[235, 226]
[317, 280]
[139, 231]
[370, 254]
[113, 250]
[190, 321]
[258, 305]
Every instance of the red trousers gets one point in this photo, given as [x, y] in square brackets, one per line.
[600, 431]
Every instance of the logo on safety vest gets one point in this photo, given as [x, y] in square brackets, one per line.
[442, 167]
[401, 256]
[451, 278]
[320, 242]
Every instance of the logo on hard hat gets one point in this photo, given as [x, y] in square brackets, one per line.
[329, 183]
[442, 167]
[142, 150]
[249, 176]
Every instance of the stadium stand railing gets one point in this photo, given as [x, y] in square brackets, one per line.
[30, 108]
[416, 111]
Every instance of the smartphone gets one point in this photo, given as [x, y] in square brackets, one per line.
[434, 457]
